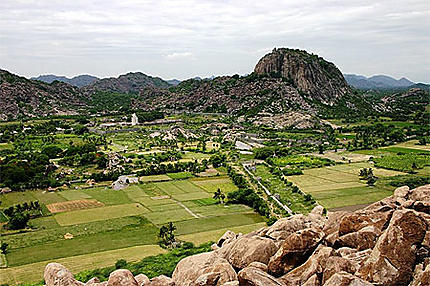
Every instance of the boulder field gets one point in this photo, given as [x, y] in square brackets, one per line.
[386, 243]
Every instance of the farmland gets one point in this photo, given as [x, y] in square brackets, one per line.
[93, 198]
[120, 219]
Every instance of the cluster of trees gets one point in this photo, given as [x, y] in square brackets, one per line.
[85, 154]
[26, 170]
[171, 155]
[157, 169]
[20, 214]
[29, 207]
[218, 160]
[245, 195]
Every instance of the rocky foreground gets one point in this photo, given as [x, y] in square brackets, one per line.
[387, 243]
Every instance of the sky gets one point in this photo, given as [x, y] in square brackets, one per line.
[187, 38]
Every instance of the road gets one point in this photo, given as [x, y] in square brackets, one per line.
[287, 209]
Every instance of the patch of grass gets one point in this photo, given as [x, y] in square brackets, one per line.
[108, 196]
[72, 195]
[100, 214]
[34, 272]
[47, 222]
[210, 185]
[192, 196]
[114, 239]
[150, 203]
[219, 209]
[180, 175]
[404, 163]
[406, 150]
[350, 196]
[159, 218]
[204, 202]
[154, 178]
[214, 235]
[49, 232]
[217, 222]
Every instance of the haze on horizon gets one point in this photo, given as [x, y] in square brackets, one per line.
[187, 38]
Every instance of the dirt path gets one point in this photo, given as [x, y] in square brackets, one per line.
[187, 209]
[287, 209]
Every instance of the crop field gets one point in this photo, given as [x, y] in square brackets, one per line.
[119, 221]
[73, 205]
[340, 185]
[99, 214]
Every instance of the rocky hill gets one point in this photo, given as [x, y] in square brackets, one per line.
[283, 80]
[386, 243]
[78, 81]
[308, 73]
[128, 83]
[22, 97]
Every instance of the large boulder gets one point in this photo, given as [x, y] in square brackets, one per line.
[247, 249]
[363, 239]
[161, 280]
[346, 279]
[122, 277]
[294, 251]
[253, 276]
[141, 279]
[314, 265]
[205, 267]
[392, 260]
[335, 264]
[57, 275]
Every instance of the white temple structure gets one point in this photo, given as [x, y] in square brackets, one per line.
[134, 119]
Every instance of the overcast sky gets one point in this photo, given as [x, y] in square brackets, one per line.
[187, 38]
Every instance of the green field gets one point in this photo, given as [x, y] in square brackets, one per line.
[99, 214]
[340, 185]
[129, 219]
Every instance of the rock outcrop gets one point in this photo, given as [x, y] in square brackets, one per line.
[309, 73]
[386, 243]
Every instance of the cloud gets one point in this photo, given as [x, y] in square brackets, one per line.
[108, 37]
[175, 56]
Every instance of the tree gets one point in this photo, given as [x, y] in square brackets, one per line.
[219, 196]
[4, 247]
[166, 233]
[371, 181]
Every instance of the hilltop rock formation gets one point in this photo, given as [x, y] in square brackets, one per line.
[386, 243]
[310, 73]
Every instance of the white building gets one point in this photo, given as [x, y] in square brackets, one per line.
[134, 119]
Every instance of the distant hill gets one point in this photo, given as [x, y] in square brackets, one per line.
[29, 98]
[79, 81]
[377, 82]
[173, 81]
[131, 82]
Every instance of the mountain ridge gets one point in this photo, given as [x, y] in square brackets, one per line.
[377, 82]
[79, 80]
